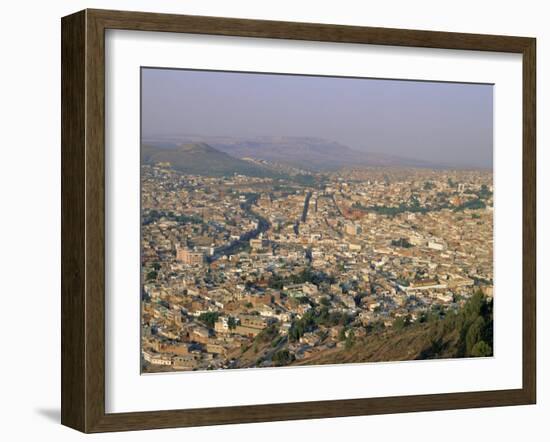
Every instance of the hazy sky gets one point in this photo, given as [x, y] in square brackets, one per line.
[450, 123]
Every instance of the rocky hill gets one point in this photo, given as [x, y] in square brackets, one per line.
[203, 159]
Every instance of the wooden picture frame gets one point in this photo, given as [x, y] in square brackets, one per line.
[83, 220]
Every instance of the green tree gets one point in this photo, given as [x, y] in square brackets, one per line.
[474, 334]
[282, 357]
[475, 306]
[481, 349]
[267, 334]
[401, 322]
[350, 340]
[209, 318]
[401, 242]
[428, 185]
[342, 334]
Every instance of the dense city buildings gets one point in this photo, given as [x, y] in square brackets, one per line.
[188, 256]
[349, 265]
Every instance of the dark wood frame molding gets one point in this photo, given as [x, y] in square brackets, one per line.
[83, 217]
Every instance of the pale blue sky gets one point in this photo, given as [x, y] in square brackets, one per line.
[446, 123]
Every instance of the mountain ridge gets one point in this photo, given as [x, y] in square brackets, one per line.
[315, 154]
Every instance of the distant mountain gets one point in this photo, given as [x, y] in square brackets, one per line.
[202, 159]
[303, 152]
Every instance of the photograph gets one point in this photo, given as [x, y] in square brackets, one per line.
[296, 220]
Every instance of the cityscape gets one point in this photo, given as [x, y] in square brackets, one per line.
[272, 251]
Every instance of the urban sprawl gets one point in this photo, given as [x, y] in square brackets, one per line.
[243, 271]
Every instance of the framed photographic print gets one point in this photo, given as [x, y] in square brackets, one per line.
[269, 220]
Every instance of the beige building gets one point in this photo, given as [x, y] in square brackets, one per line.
[189, 257]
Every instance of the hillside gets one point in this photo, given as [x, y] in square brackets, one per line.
[311, 153]
[468, 333]
[438, 335]
[304, 152]
[202, 159]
